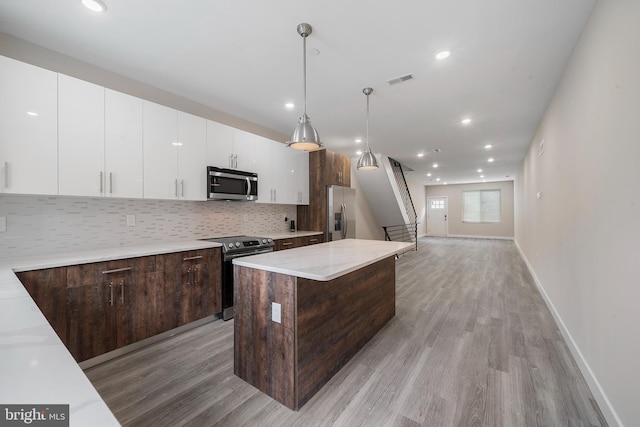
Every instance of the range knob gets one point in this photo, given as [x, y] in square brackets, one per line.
[264, 241]
[237, 244]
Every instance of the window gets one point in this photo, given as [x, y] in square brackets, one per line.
[481, 206]
[437, 204]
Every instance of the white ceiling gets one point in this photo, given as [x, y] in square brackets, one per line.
[244, 57]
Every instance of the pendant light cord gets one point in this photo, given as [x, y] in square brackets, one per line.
[304, 74]
[368, 149]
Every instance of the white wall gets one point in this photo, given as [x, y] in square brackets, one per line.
[418, 197]
[582, 238]
[366, 225]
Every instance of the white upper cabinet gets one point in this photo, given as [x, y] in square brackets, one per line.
[192, 164]
[160, 148]
[244, 150]
[283, 173]
[263, 168]
[28, 129]
[80, 138]
[123, 145]
[174, 154]
[230, 148]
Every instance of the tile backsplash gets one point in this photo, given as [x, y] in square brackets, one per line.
[45, 224]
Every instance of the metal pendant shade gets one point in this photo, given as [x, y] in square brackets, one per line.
[304, 136]
[367, 161]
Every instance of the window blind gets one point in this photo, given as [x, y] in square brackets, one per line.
[481, 206]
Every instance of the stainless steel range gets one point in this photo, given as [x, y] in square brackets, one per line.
[235, 247]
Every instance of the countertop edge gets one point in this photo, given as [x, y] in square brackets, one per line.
[257, 261]
[37, 367]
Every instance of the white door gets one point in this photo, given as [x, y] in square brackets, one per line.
[437, 216]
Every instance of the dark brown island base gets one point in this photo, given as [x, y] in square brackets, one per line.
[330, 298]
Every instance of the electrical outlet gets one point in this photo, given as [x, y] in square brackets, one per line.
[276, 312]
[131, 220]
[3, 224]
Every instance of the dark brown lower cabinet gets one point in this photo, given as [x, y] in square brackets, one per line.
[296, 242]
[99, 307]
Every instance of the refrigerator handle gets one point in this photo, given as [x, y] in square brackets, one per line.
[345, 220]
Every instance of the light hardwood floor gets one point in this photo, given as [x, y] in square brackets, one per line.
[472, 344]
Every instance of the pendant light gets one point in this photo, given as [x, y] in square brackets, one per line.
[367, 161]
[304, 136]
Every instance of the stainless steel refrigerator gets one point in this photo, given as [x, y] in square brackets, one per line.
[341, 223]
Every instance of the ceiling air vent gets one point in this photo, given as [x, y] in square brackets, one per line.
[400, 79]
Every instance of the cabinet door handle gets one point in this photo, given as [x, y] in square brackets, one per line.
[275, 194]
[195, 276]
[101, 188]
[176, 187]
[235, 161]
[6, 174]
[182, 188]
[189, 258]
[189, 276]
[231, 161]
[110, 293]
[287, 243]
[122, 290]
[117, 270]
[110, 182]
[313, 240]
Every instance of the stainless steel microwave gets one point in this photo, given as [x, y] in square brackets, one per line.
[231, 184]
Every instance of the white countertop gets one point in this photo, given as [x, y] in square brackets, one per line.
[324, 261]
[290, 234]
[35, 366]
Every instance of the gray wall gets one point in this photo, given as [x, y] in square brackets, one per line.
[582, 237]
[453, 192]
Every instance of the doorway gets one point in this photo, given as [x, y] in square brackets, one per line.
[437, 213]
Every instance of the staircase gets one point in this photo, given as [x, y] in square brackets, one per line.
[388, 194]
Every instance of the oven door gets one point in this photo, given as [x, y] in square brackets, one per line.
[227, 280]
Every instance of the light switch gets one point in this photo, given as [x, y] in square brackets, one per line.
[3, 224]
[276, 312]
[131, 220]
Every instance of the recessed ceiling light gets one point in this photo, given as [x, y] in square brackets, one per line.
[435, 165]
[466, 121]
[481, 176]
[358, 140]
[95, 5]
[358, 153]
[443, 54]
[437, 179]
[490, 159]
[420, 154]
[479, 170]
[488, 146]
[429, 174]
[32, 113]
[289, 105]
[177, 144]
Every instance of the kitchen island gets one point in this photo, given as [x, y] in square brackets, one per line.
[302, 314]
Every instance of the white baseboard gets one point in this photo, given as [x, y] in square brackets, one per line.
[475, 236]
[598, 393]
